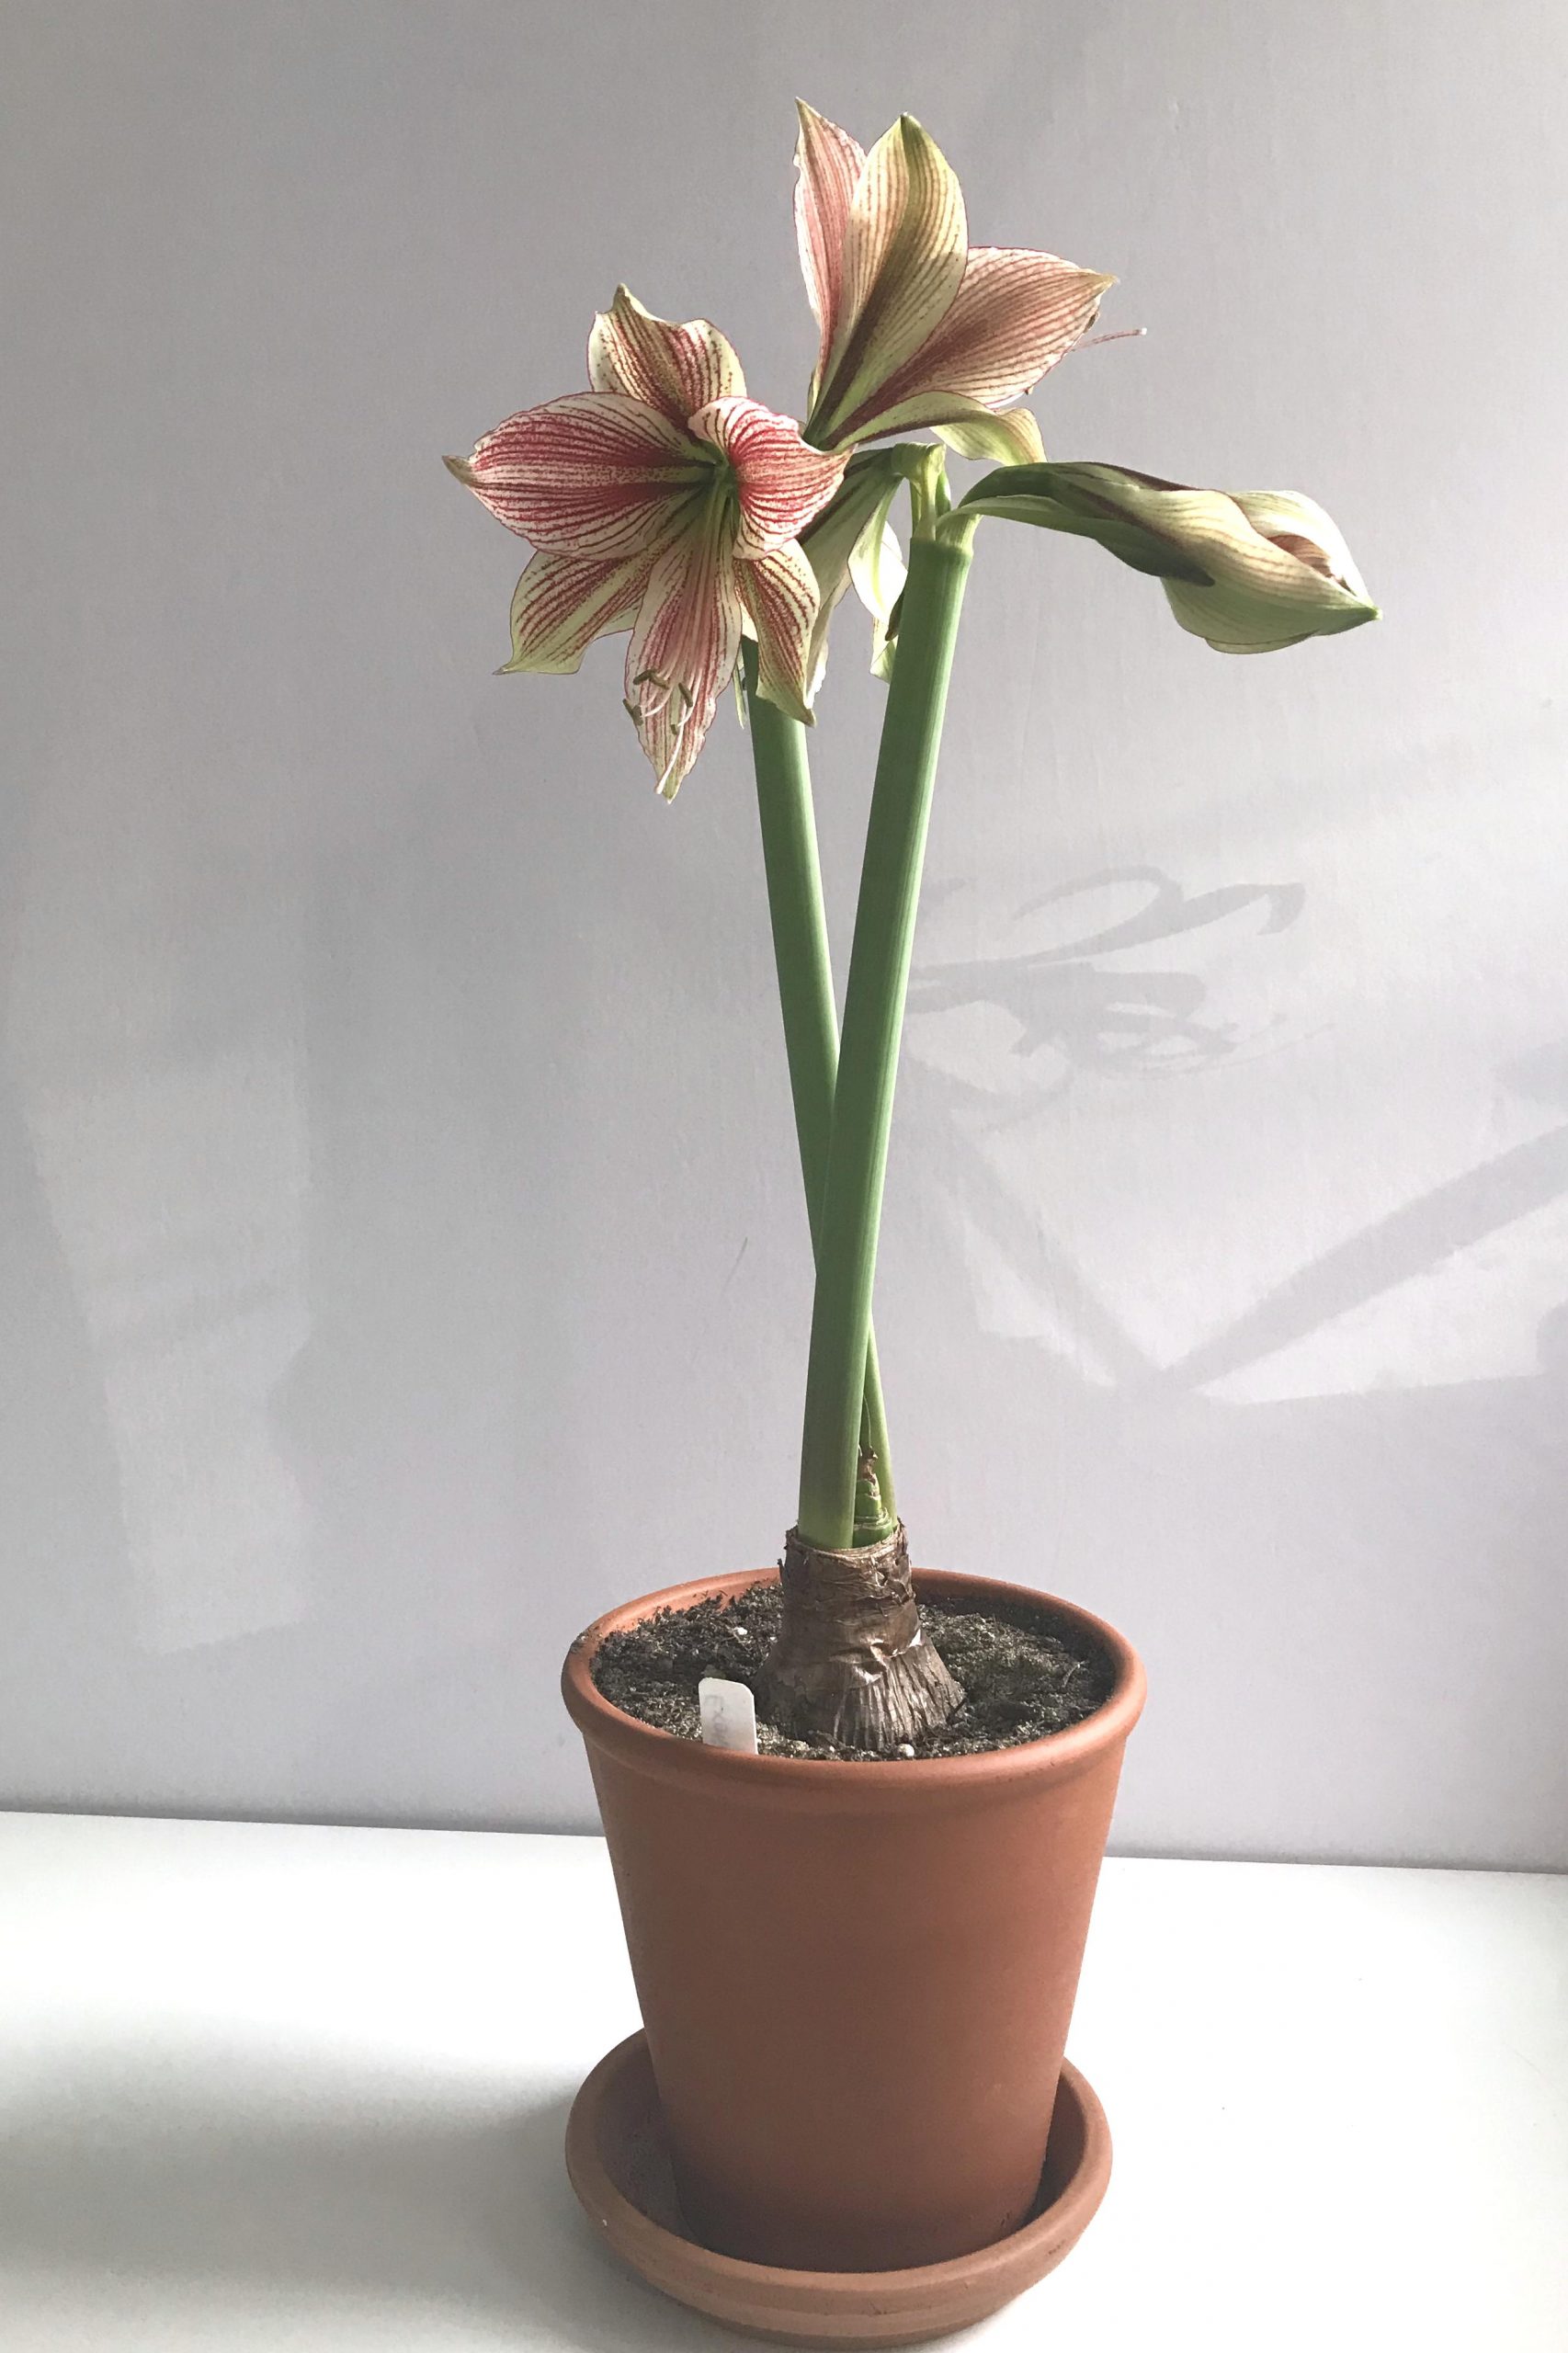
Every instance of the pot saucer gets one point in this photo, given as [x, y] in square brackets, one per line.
[619, 2167]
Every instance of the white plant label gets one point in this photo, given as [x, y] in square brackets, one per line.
[729, 1715]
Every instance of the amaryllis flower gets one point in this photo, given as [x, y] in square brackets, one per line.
[919, 326]
[665, 502]
[1248, 571]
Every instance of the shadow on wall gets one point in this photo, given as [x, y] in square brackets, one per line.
[1373, 1700]
[1101, 1020]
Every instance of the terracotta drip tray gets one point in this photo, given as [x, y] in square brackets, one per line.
[616, 2157]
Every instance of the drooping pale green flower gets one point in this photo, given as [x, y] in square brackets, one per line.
[1248, 571]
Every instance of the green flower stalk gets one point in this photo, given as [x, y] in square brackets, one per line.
[793, 871]
[874, 1030]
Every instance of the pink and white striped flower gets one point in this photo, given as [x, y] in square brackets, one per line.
[918, 326]
[665, 502]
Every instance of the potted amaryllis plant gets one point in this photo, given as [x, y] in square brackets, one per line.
[856, 1944]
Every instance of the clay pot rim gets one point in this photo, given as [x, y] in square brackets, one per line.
[923, 1780]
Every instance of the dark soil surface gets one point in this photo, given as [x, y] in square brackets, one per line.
[1021, 1679]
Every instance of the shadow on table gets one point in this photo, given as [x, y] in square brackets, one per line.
[203, 2186]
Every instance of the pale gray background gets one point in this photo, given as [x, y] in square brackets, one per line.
[401, 1250]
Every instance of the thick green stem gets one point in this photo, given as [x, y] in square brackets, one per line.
[873, 1025]
[806, 999]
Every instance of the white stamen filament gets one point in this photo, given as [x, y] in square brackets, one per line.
[647, 707]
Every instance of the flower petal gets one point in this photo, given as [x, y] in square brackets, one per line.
[968, 421]
[595, 472]
[563, 602]
[877, 569]
[1267, 588]
[905, 250]
[1281, 573]
[675, 369]
[829, 164]
[1248, 573]
[1303, 528]
[1083, 501]
[1010, 439]
[869, 487]
[1013, 316]
[779, 592]
[781, 481]
[684, 646]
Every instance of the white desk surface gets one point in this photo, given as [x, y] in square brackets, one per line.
[289, 2090]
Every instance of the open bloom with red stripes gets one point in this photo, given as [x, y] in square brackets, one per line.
[665, 502]
[918, 326]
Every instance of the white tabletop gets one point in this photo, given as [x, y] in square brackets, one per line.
[285, 2090]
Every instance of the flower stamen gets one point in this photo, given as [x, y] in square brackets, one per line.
[1118, 335]
[648, 707]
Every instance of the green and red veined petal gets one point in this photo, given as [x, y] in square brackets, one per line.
[829, 164]
[957, 410]
[594, 473]
[1009, 436]
[685, 645]
[880, 574]
[870, 483]
[677, 370]
[563, 602]
[781, 482]
[1261, 615]
[1280, 572]
[1277, 546]
[1303, 528]
[1249, 572]
[905, 246]
[780, 594]
[1015, 315]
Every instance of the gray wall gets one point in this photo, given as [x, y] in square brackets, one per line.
[402, 1255]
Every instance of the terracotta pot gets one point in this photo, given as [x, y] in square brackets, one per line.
[856, 1978]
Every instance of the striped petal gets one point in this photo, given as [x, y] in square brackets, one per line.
[781, 482]
[904, 249]
[1303, 528]
[1248, 572]
[829, 164]
[877, 569]
[870, 488]
[1013, 316]
[1010, 439]
[1082, 501]
[780, 594]
[596, 472]
[1265, 588]
[1279, 576]
[675, 369]
[563, 602]
[684, 646]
